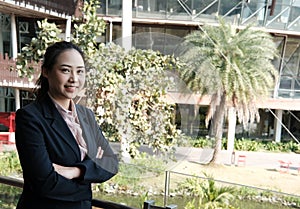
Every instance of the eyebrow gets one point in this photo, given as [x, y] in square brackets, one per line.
[65, 65]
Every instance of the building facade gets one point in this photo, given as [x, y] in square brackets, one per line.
[161, 25]
[18, 24]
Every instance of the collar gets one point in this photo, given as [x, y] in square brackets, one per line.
[62, 109]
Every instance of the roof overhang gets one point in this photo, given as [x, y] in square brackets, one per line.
[196, 24]
[25, 9]
[270, 103]
[280, 104]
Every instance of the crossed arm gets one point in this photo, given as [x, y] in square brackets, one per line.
[73, 172]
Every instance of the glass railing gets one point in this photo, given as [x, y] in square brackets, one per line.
[289, 87]
[11, 189]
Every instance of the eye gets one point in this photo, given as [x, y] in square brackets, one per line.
[65, 70]
[80, 71]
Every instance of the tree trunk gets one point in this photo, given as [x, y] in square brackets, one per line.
[217, 125]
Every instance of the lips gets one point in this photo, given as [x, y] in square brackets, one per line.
[70, 88]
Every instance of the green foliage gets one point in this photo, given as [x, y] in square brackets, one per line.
[246, 193]
[9, 163]
[238, 61]
[143, 198]
[126, 90]
[87, 29]
[207, 194]
[9, 196]
[150, 163]
[291, 146]
[33, 52]
[248, 145]
[244, 144]
[85, 35]
[272, 146]
[128, 178]
[294, 200]
[234, 67]
[202, 142]
[190, 186]
[131, 176]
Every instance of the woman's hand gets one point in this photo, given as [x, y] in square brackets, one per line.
[68, 172]
[100, 152]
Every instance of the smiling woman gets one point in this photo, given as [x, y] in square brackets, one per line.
[66, 78]
[60, 145]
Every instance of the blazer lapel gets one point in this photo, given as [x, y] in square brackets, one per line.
[86, 132]
[59, 125]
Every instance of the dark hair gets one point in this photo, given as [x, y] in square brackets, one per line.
[50, 57]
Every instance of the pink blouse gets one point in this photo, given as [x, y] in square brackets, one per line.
[71, 118]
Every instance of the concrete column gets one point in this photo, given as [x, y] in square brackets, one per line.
[68, 29]
[14, 40]
[184, 119]
[231, 129]
[1, 38]
[110, 31]
[278, 126]
[126, 24]
[17, 99]
[14, 44]
[2, 99]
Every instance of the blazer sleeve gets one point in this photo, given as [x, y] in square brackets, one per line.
[97, 170]
[36, 164]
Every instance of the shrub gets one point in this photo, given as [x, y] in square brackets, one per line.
[9, 163]
[246, 145]
[206, 193]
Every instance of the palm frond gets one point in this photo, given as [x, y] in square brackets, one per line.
[237, 63]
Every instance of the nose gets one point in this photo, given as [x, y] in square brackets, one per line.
[73, 76]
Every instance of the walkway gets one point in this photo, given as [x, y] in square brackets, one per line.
[267, 160]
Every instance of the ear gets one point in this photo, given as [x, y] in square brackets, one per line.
[44, 72]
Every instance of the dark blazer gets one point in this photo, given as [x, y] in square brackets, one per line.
[43, 138]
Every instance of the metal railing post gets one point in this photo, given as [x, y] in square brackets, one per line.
[167, 187]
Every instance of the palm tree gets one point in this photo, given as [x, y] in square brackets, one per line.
[233, 66]
[216, 197]
[207, 195]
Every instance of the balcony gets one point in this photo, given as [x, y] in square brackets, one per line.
[10, 78]
[51, 9]
[276, 16]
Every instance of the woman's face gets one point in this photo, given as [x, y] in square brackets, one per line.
[67, 77]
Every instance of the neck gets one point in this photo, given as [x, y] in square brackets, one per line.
[65, 103]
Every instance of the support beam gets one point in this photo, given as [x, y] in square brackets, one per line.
[14, 40]
[68, 29]
[17, 99]
[278, 126]
[110, 31]
[2, 99]
[231, 129]
[126, 24]
[1, 37]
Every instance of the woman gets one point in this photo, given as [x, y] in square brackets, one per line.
[61, 148]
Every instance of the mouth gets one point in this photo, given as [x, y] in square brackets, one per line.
[71, 88]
